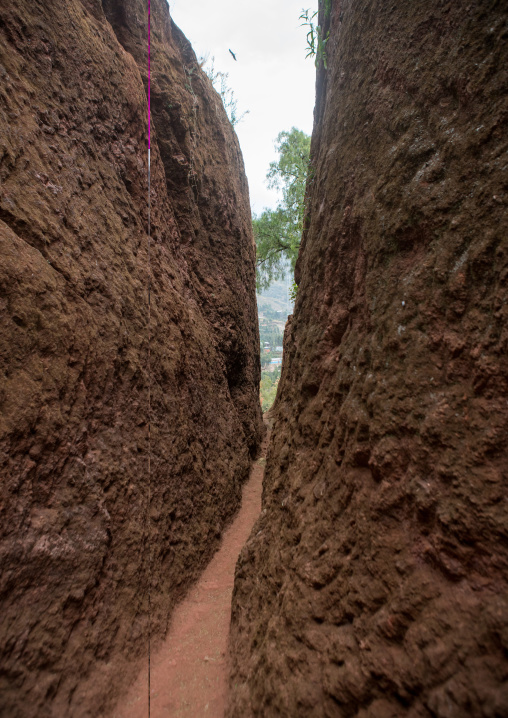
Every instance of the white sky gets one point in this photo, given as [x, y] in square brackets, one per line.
[272, 79]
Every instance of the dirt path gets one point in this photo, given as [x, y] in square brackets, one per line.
[188, 676]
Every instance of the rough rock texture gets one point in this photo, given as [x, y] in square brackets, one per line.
[74, 543]
[375, 582]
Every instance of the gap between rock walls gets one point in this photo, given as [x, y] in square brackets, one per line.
[373, 582]
[189, 667]
[75, 434]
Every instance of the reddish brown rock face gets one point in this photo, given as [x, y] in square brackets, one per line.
[74, 343]
[374, 584]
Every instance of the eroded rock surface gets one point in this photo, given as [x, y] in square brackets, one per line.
[74, 342]
[375, 582]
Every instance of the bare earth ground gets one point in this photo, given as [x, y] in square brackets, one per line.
[189, 670]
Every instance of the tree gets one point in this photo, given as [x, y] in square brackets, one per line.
[278, 232]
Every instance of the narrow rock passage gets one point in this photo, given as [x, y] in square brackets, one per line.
[189, 670]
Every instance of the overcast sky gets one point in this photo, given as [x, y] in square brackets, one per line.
[271, 78]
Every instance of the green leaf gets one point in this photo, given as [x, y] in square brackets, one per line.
[278, 232]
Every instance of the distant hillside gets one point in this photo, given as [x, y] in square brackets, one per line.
[277, 296]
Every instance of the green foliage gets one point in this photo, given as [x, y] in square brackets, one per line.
[293, 292]
[316, 40]
[220, 82]
[277, 240]
[278, 232]
[268, 389]
[308, 21]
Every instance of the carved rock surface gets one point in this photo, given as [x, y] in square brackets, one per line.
[375, 582]
[76, 342]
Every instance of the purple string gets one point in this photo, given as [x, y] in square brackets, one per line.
[148, 74]
[149, 394]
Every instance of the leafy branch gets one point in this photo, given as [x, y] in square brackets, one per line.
[316, 41]
[278, 231]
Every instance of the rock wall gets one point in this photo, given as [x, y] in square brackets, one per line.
[375, 582]
[75, 342]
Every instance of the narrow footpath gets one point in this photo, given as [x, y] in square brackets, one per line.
[189, 670]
